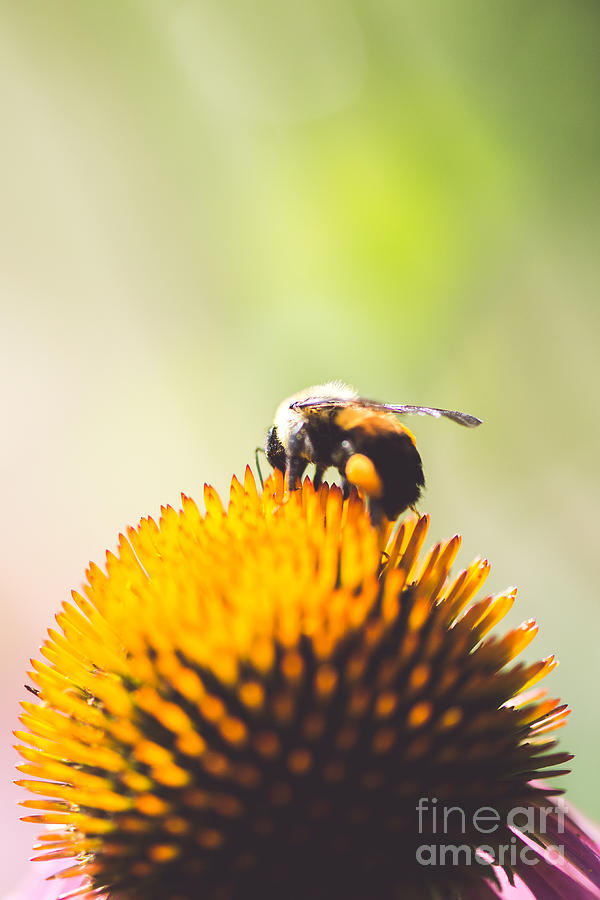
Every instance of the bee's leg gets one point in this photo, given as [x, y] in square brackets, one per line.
[296, 460]
[296, 467]
[375, 511]
[256, 452]
[340, 457]
[318, 477]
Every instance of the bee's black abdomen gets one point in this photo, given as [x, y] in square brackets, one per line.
[398, 464]
[402, 473]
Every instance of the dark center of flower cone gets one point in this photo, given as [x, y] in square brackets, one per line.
[276, 733]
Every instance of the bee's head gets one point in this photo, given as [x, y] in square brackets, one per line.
[286, 422]
[274, 450]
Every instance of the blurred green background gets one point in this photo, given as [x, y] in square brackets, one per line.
[207, 206]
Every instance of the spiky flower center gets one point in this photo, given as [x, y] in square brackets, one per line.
[252, 702]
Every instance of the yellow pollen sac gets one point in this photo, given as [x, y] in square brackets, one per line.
[361, 471]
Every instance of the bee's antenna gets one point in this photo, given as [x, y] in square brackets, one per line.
[260, 478]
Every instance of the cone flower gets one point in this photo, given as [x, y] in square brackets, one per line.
[279, 700]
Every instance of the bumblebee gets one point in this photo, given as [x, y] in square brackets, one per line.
[331, 425]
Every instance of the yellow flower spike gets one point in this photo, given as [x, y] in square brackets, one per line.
[57, 771]
[551, 721]
[409, 559]
[90, 614]
[250, 488]
[500, 652]
[497, 608]
[250, 702]
[536, 712]
[212, 501]
[72, 706]
[536, 671]
[436, 577]
[428, 565]
[465, 587]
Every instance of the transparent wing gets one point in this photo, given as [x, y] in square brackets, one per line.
[460, 418]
